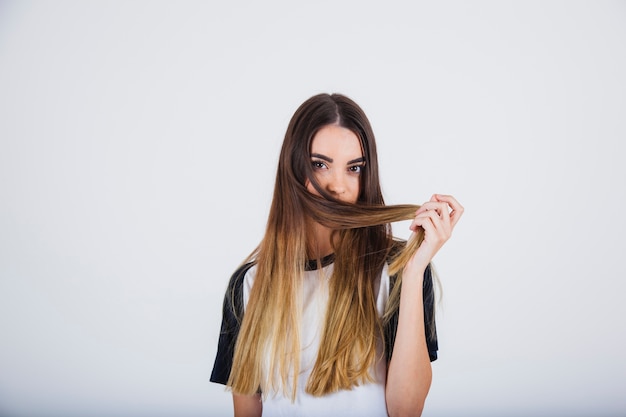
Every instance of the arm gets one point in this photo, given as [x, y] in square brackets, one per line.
[409, 375]
[247, 405]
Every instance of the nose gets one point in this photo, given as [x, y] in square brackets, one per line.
[336, 183]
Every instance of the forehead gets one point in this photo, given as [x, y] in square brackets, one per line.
[338, 141]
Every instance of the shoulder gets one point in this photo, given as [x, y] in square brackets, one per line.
[239, 280]
[232, 314]
[240, 273]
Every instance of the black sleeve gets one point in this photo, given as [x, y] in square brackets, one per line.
[429, 315]
[231, 322]
[429, 318]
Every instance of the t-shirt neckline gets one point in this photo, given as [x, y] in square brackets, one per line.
[312, 264]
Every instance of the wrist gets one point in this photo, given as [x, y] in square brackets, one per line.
[414, 271]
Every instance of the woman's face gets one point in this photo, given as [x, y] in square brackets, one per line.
[337, 160]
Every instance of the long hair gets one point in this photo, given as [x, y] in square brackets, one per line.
[267, 352]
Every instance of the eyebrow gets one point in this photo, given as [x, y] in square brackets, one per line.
[327, 159]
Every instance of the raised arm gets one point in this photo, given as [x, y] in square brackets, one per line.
[409, 375]
[247, 405]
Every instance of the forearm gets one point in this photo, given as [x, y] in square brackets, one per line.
[247, 405]
[409, 375]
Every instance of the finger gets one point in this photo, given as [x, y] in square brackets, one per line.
[450, 200]
[433, 232]
[439, 222]
[440, 207]
[424, 223]
[456, 208]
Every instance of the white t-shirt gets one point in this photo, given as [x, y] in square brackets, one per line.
[364, 400]
[361, 401]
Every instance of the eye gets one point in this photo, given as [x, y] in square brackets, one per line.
[356, 169]
[318, 164]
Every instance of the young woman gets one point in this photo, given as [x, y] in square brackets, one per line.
[331, 315]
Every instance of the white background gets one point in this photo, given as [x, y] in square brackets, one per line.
[138, 147]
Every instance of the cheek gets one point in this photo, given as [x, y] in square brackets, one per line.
[355, 189]
[310, 188]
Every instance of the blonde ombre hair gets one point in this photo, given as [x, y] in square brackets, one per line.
[267, 351]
